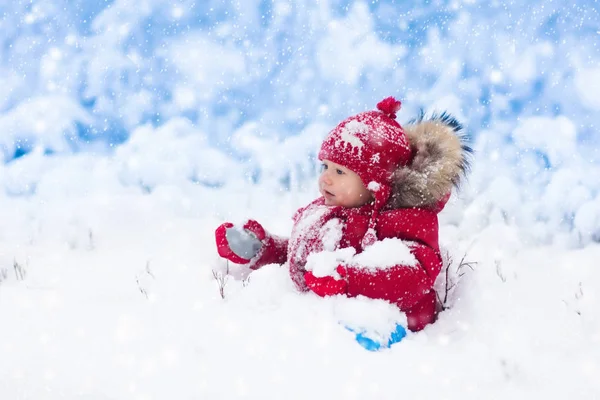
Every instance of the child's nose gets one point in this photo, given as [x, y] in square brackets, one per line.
[326, 177]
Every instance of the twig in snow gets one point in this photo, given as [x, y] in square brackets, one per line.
[20, 271]
[221, 280]
[91, 245]
[246, 281]
[449, 283]
[499, 272]
[147, 272]
[579, 293]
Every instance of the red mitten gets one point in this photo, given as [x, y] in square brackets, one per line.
[327, 285]
[239, 245]
[256, 228]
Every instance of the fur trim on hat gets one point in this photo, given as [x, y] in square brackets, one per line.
[440, 159]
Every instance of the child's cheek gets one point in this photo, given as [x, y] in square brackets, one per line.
[345, 189]
[349, 189]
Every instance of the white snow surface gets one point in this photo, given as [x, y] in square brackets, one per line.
[113, 296]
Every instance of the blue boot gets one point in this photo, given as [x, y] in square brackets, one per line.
[373, 344]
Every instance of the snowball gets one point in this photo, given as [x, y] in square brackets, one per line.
[324, 263]
[242, 242]
[385, 253]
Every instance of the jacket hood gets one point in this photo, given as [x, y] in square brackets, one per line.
[441, 159]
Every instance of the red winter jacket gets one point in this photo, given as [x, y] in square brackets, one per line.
[410, 287]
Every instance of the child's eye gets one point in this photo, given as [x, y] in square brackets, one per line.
[323, 167]
[339, 172]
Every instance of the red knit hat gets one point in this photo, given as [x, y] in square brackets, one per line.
[373, 145]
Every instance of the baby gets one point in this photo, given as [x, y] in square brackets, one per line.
[382, 187]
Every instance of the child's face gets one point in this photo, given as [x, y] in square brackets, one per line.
[341, 186]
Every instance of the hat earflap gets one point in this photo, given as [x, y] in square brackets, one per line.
[381, 193]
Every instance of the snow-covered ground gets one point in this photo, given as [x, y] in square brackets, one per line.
[115, 298]
[129, 130]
